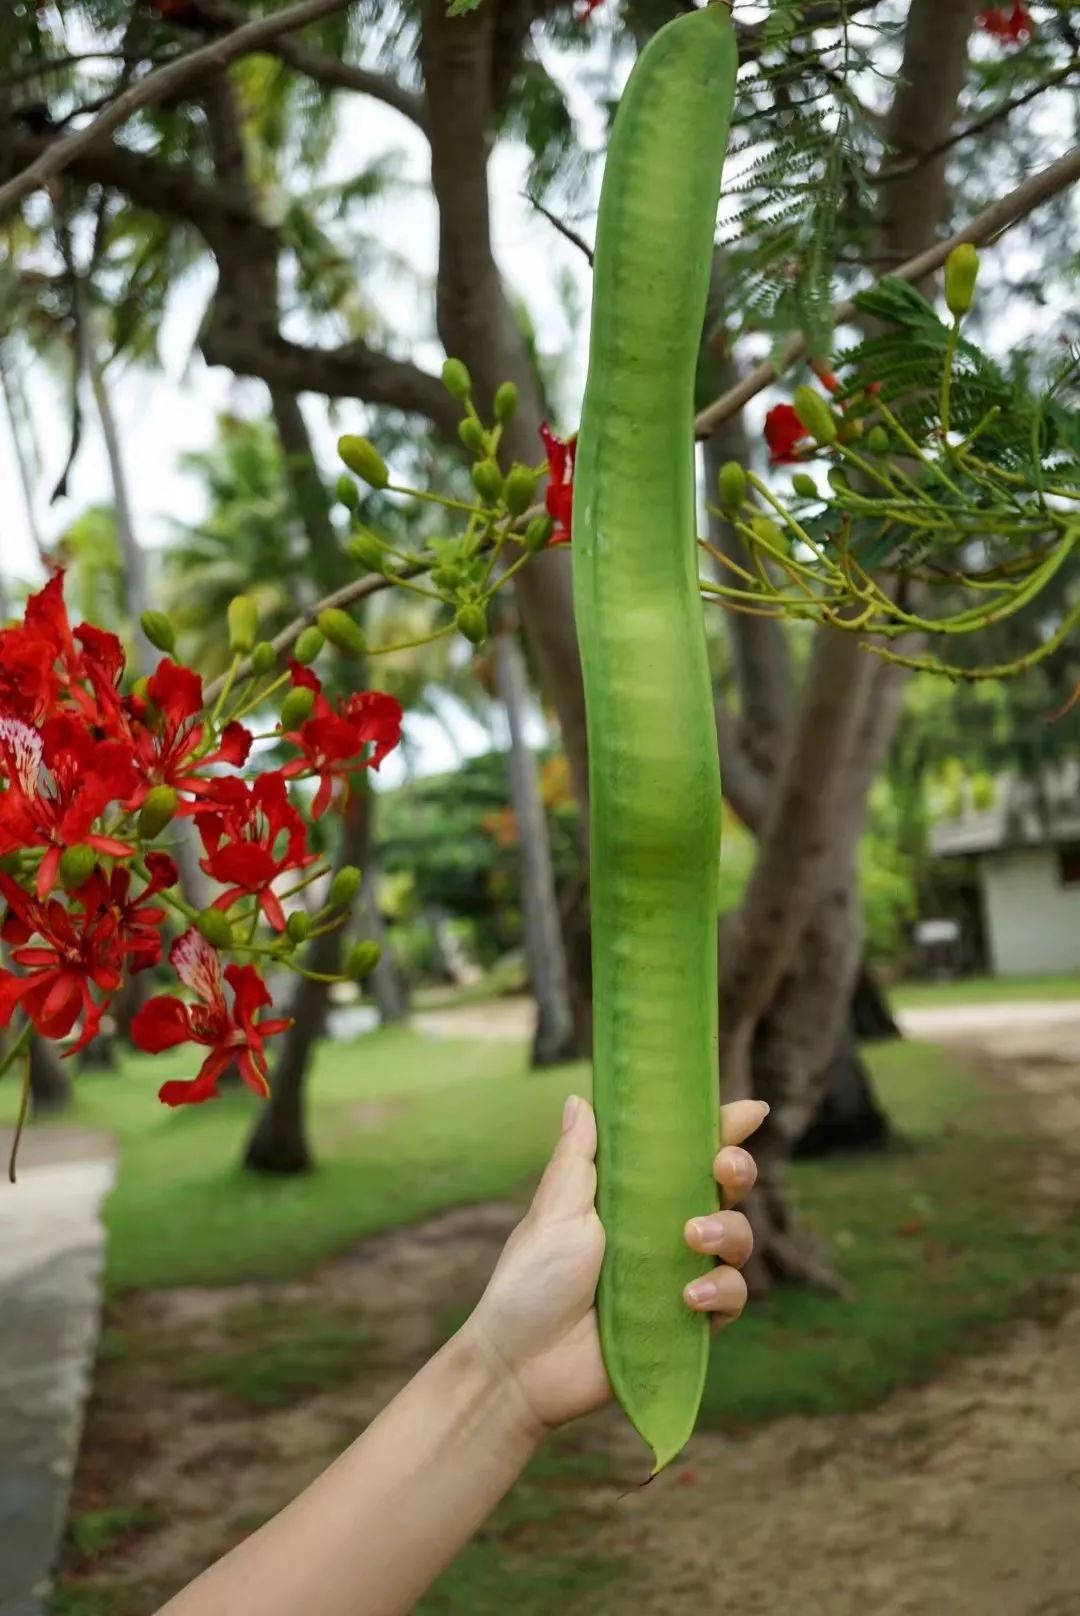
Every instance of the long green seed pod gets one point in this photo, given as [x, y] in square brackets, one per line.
[654, 774]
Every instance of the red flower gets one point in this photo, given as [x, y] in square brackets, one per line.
[334, 743]
[560, 490]
[74, 955]
[165, 1021]
[1011, 26]
[138, 921]
[824, 376]
[166, 753]
[84, 776]
[243, 844]
[783, 433]
[27, 677]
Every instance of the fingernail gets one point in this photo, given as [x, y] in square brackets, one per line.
[569, 1113]
[702, 1290]
[710, 1234]
[765, 1108]
[742, 1167]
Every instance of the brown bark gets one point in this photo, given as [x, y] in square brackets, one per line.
[279, 1142]
[554, 1038]
[50, 1080]
[477, 323]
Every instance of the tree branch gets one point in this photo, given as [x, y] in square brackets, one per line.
[976, 127]
[326, 69]
[985, 227]
[160, 85]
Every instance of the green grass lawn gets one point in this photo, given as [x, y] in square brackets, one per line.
[985, 990]
[401, 1125]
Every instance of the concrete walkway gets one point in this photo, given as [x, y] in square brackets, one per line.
[51, 1244]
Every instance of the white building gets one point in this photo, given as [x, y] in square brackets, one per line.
[1026, 850]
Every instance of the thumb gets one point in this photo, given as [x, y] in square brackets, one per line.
[568, 1187]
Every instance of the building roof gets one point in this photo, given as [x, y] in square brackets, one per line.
[1041, 812]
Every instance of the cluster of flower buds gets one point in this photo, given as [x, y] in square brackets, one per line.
[96, 779]
[462, 571]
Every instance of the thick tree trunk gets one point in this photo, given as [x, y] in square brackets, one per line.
[279, 1142]
[50, 1082]
[465, 61]
[848, 1117]
[872, 1019]
[554, 1039]
[793, 953]
[388, 984]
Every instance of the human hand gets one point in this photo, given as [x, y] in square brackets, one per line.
[537, 1318]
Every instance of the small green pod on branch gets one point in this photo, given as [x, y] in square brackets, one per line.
[362, 960]
[731, 485]
[158, 810]
[296, 708]
[961, 273]
[488, 481]
[456, 379]
[263, 658]
[362, 457]
[506, 402]
[471, 621]
[215, 927]
[308, 647]
[815, 415]
[472, 435]
[520, 489]
[76, 866]
[159, 631]
[341, 631]
[242, 616]
[345, 886]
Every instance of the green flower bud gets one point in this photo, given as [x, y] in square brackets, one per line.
[362, 960]
[767, 530]
[159, 807]
[506, 401]
[878, 441]
[296, 707]
[961, 273]
[340, 629]
[347, 493]
[76, 866]
[298, 926]
[804, 485]
[488, 481]
[538, 533]
[815, 415]
[732, 485]
[472, 622]
[838, 480]
[263, 658]
[367, 550]
[159, 631]
[362, 457]
[243, 619]
[472, 435]
[308, 647]
[520, 489]
[344, 886]
[215, 927]
[447, 577]
[456, 378]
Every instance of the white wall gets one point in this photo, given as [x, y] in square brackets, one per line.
[1032, 920]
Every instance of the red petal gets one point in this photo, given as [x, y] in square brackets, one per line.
[161, 1023]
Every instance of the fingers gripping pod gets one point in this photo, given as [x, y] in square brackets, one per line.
[654, 775]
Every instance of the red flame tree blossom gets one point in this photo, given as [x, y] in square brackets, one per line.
[91, 774]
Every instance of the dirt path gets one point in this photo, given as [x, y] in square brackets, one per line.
[212, 1408]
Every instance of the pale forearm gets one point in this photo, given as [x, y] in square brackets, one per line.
[376, 1528]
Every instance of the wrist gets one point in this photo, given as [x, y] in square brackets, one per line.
[500, 1388]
